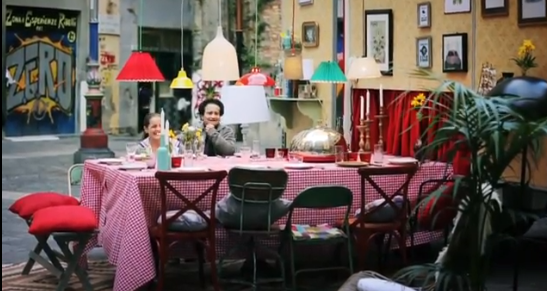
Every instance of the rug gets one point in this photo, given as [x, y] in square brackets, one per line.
[101, 276]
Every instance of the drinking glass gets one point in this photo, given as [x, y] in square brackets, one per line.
[339, 154]
[378, 154]
[271, 153]
[255, 149]
[245, 152]
[131, 150]
[200, 149]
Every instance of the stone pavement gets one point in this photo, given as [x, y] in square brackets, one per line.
[30, 167]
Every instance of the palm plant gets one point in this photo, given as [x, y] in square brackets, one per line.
[495, 134]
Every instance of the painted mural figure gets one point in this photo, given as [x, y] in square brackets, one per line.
[40, 58]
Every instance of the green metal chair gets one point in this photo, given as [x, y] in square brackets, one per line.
[251, 187]
[74, 176]
[319, 197]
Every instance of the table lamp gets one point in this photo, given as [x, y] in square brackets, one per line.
[244, 105]
[363, 68]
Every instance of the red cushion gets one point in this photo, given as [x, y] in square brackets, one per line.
[439, 211]
[27, 205]
[66, 218]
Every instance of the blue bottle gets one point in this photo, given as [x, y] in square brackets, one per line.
[163, 158]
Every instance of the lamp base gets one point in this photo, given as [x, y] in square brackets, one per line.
[93, 145]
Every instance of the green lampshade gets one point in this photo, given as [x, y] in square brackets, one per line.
[328, 72]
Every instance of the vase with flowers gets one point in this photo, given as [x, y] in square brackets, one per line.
[190, 138]
[525, 59]
[417, 104]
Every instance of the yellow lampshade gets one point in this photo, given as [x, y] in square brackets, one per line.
[182, 81]
[364, 68]
[292, 66]
[219, 62]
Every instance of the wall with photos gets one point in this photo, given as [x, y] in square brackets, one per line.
[318, 12]
[492, 39]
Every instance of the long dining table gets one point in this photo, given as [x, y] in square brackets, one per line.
[128, 202]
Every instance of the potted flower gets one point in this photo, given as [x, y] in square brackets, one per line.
[190, 138]
[495, 134]
[525, 59]
[417, 104]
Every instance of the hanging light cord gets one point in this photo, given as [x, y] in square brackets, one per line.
[292, 32]
[219, 12]
[141, 10]
[182, 35]
[256, 33]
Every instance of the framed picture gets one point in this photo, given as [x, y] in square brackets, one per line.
[423, 52]
[305, 2]
[424, 15]
[379, 38]
[310, 34]
[532, 12]
[455, 53]
[494, 8]
[457, 6]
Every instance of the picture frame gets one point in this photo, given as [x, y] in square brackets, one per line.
[532, 12]
[424, 56]
[378, 28]
[305, 2]
[457, 6]
[424, 15]
[310, 34]
[492, 8]
[455, 53]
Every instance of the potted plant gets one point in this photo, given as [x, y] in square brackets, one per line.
[494, 135]
[525, 59]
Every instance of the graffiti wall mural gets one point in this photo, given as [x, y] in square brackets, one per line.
[40, 57]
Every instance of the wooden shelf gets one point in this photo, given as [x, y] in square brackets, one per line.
[311, 108]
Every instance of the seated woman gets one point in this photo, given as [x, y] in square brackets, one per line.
[152, 134]
[219, 140]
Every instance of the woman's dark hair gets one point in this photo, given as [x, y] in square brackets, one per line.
[146, 123]
[201, 108]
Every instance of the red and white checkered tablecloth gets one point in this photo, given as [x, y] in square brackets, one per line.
[128, 202]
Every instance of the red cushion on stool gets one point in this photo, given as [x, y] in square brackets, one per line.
[27, 205]
[66, 218]
[440, 210]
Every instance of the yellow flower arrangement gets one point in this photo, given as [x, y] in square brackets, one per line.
[525, 58]
[191, 133]
[417, 103]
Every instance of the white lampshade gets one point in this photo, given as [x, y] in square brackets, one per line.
[219, 62]
[364, 68]
[244, 104]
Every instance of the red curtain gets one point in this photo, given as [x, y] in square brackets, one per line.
[401, 129]
[441, 154]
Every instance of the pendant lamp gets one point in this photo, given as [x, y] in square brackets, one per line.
[256, 77]
[328, 72]
[140, 67]
[292, 64]
[219, 62]
[364, 68]
[182, 81]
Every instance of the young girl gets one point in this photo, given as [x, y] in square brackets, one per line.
[152, 134]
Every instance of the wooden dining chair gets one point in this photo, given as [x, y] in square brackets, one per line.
[166, 230]
[365, 229]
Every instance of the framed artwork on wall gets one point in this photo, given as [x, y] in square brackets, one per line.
[310, 34]
[305, 2]
[490, 8]
[455, 53]
[532, 12]
[423, 52]
[424, 15]
[457, 6]
[379, 38]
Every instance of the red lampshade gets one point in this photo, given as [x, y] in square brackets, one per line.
[140, 67]
[256, 78]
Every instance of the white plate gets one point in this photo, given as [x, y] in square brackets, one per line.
[251, 166]
[298, 166]
[111, 161]
[191, 169]
[133, 167]
[402, 161]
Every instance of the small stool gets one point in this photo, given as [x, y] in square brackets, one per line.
[26, 206]
[67, 225]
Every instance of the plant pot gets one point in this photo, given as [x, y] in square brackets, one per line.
[505, 76]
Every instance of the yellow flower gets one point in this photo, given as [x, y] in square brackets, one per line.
[185, 127]
[418, 100]
[172, 134]
[198, 134]
[526, 48]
